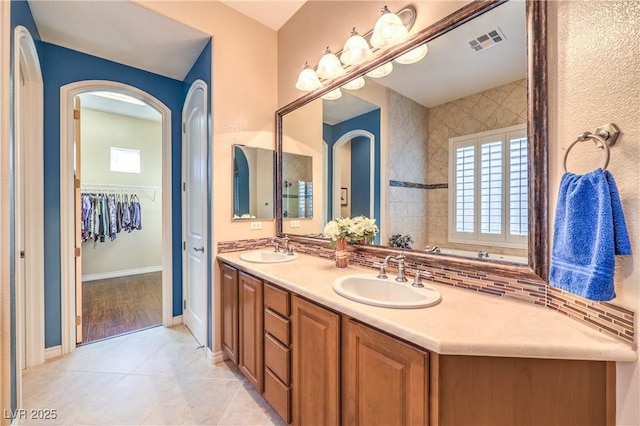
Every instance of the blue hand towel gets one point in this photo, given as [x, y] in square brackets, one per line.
[589, 231]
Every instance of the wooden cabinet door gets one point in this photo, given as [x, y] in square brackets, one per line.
[229, 296]
[384, 381]
[316, 364]
[251, 330]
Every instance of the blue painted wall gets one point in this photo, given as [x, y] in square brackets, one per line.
[360, 161]
[20, 15]
[61, 66]
[360, 176]
[201, 70]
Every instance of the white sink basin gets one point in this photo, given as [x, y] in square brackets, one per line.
[267, 257]
[385, 292]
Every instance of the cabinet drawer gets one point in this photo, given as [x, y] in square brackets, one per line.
[278, 395]
[278, 358]
[278, 327]
[277, 299]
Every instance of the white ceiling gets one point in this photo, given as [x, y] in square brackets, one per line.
[273, 14]
[99, 103]
[120, 31]
[452, 70]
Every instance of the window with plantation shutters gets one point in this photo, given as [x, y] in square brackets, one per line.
[489, 188]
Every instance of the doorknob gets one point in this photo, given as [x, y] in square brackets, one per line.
[199, 249]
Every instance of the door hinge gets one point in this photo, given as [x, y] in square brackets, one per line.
[184, 245]
[77, 251]
[76, 182]
[76, 114]
[78, 320]
[184, 304]
[21, 254]
[184, 127]
[184, 186]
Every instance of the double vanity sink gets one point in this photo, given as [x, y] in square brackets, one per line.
[363, 288]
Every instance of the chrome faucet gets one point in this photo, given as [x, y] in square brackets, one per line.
[434, 249]
[482, 254]
[417, 278]
[400, 259]
[275, 242]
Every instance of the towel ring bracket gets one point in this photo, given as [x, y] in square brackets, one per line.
[605, 136]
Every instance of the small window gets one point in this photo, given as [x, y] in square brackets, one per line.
[488, 178]
[125, 160]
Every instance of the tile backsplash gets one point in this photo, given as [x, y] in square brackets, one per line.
[602, 316]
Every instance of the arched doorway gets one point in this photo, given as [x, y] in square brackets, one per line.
[67, 196]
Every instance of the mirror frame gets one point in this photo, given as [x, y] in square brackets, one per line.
[537, 128]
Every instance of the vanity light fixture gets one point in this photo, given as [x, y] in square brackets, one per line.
[333, 95]
[388, 31]
[308, 79]
[329, 66]
[381, 71]
[413, 56]
[356, 50]
[355, 84]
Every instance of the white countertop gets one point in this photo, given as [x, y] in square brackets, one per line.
[463, 323]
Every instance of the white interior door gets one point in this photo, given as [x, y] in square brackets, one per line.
[194, 202]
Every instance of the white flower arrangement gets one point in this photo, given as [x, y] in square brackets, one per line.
[357, 228]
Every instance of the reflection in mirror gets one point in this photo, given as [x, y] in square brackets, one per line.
[253, 183]
[452, 130]
[297, 186]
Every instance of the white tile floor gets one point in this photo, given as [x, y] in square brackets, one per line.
[154, 377]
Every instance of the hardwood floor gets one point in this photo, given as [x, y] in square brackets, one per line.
[117, 306]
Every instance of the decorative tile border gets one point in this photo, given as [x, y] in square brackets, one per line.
[401, 184]
[242, 245]
[605, 317]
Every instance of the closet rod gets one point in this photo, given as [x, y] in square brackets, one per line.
[119, 187]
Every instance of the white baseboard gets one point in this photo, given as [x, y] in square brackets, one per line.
[215, 357]
[53, 352]
[124, 273]
[176, 320]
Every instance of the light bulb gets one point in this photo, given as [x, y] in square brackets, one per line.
[413, 56]
[356, 50]
[333, 95]
[356, 84]
[307, 79]
[381, 71]
[329, 66]
[388, 30]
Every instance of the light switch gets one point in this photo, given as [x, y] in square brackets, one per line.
[295, 224]
[256, 225]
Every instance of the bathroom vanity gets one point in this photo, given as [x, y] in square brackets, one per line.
[320, 358]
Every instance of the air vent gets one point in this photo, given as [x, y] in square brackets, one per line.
[487, 40]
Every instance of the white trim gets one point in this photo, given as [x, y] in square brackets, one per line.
[177, 320]
[67, 225]
[53, 352]
[28, 174]
[122, 273]
[5, 209]
[337, 169]
[215, 357]
[196, 85]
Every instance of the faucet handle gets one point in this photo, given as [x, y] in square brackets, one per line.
[417, 278]
[290, 250]
[382, 274]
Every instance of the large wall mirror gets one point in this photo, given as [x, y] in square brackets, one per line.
[449, 154]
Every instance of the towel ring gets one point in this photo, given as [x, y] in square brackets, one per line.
[590, 136]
